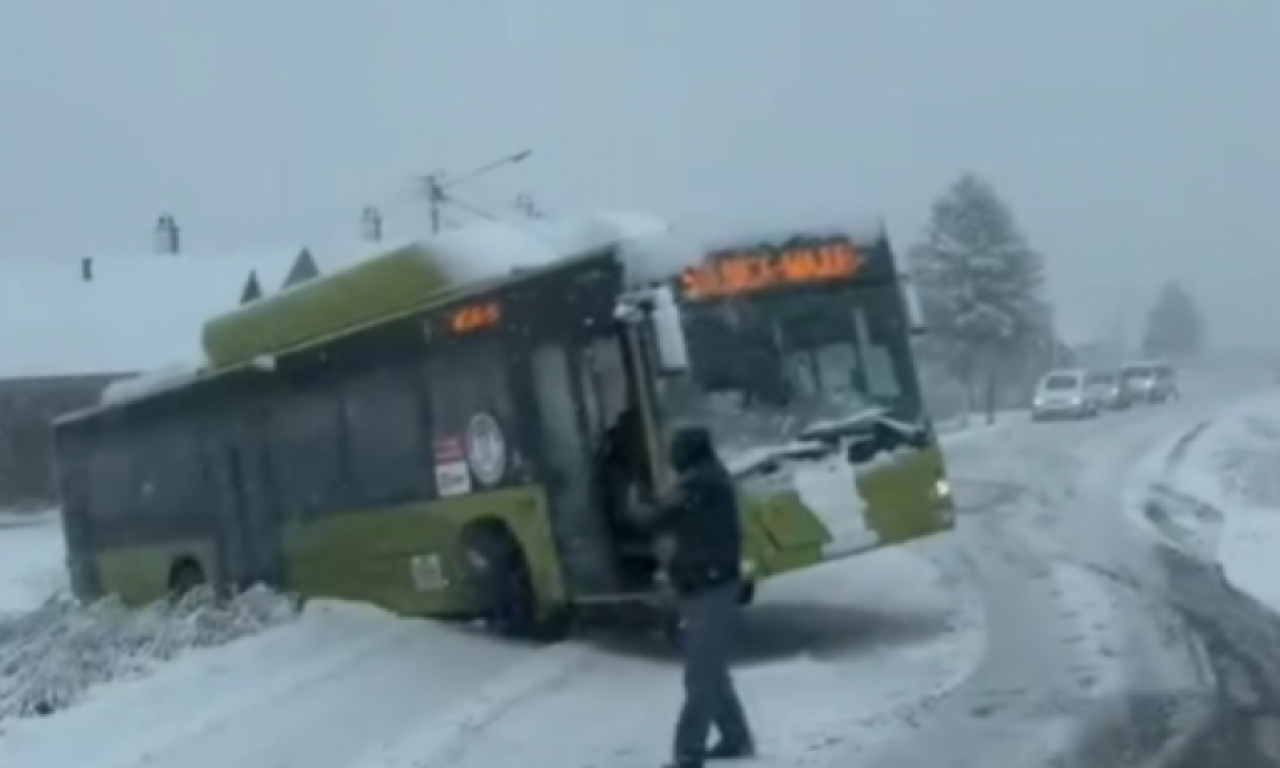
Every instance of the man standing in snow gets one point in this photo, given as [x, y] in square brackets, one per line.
[701, 520]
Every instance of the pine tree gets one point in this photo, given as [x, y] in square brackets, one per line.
[980, 285]
[1175, 327]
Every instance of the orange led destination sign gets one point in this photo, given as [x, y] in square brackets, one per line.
[474, 317]
[744, 272]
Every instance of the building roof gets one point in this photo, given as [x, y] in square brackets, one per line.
[119, 314]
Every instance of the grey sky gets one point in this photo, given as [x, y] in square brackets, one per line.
[1136, 139]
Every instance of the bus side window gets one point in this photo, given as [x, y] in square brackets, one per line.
[109, 479]
[385, 436]
[464, 386]
[604, 383]
[167, 475]
[304, 440]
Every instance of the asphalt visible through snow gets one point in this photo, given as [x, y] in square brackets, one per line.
[1186, 672]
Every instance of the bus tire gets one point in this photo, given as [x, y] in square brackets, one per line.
[185, 575]
[508, 599]
[747, 593]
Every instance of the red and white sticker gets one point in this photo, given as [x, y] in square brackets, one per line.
[453, 477]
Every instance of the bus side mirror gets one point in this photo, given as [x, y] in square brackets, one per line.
[668, 333]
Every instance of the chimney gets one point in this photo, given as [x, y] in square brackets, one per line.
[167, 236]
[371, 225]
[86, 269]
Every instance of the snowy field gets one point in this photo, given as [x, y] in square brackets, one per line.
[1232, 463]
[31, 568]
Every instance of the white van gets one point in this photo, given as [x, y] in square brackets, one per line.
[1065, 395]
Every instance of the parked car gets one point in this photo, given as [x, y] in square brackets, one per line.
[1151, 382]
[1111, 390]
[1064, 395]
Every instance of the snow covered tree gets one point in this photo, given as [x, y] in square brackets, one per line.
[1175, 327]
[980, 286]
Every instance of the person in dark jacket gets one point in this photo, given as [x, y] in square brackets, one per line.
[704, 568]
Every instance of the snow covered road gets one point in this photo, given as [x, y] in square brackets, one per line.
[1051, 629]
[1105, 646]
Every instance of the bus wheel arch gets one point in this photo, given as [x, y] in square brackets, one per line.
[185, 574]
[499, 570]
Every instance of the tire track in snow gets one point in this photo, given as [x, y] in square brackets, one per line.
[1063, 641]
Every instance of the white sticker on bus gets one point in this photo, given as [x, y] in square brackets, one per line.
[453, 478]
[428, 573]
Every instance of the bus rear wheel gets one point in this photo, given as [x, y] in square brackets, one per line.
[503, 582]
[184, 576]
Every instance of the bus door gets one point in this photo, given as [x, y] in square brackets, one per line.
[251, 539]
[567, 456]
[642, 376]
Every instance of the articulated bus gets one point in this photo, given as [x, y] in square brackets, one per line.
[388, 435]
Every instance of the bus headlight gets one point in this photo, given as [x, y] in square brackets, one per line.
[748, 568]
[942, 488]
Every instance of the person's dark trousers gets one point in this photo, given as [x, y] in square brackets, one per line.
[712, 619]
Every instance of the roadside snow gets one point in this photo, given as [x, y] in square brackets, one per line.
[833, 660]
[31, 557]
[318, 690]
[50, 656]
[1233, 465]
[53, 651]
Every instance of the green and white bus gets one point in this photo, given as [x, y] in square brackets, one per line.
[384, 434]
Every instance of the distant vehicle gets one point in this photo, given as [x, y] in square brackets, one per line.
[1065, 395]
[1166, 386]
[1110, 391]
[1151, 382]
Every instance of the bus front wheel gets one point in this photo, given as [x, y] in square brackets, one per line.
[506, 597]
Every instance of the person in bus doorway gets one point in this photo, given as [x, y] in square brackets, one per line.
[704, 568]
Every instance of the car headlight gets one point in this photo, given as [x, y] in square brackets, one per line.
[942, 488]
[748, 567]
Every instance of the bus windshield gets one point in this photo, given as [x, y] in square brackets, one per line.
[770, 365]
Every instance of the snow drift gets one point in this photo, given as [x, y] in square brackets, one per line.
[52, 655]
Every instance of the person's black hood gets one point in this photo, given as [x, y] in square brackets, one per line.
[692, 447]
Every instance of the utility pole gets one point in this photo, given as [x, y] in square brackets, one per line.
[435, 200]
[436, 188]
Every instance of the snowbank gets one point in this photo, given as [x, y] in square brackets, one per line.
[53, 650]
[50, 656]
[1233, 465]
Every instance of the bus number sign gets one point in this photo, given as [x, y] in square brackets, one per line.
[744, 272]
[475, 317]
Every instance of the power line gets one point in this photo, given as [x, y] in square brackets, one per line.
[435, 188]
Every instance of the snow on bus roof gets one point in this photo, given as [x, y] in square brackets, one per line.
[134, 313]
[488, 250]
[652, 249]
[493, 249]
